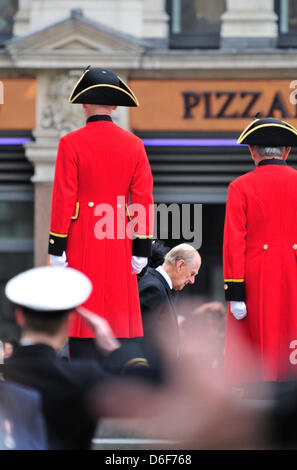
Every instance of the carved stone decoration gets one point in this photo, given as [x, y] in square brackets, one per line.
[56, 113]
[60, 116]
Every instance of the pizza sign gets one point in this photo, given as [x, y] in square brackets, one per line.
[211, 105]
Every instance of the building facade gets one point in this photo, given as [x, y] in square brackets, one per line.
[201, 70]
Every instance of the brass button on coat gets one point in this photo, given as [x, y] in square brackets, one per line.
[265, 247]
[52, 242]
[90, 204]
[295, 246]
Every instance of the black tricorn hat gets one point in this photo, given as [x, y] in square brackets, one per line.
[269, 132]
[102, 86]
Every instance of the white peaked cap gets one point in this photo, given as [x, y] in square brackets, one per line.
[49, 288]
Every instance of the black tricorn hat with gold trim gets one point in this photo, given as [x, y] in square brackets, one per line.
[102, 86]
[269, 132]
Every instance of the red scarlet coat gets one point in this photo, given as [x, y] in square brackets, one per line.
[102, 164]
[260, 268]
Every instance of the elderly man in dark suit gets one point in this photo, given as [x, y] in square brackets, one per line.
[181, 265]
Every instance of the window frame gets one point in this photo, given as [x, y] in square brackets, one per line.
[190, 41]
[17, 245]
[285, 40]
[9, 35]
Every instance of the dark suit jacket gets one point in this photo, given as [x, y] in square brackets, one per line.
[64, 388]
[157, 307]
[21, 422]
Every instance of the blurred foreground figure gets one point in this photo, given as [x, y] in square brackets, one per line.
[21, 422]
[260, 249]
[209, 317]
[8, 348]
[44, 298]
[194, 410]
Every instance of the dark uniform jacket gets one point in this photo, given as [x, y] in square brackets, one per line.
[21, 422]
[64, 390]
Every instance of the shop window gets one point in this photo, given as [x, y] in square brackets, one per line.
[16, 220]
[287, 22]
[16, 249]
[8, 9]
[195, 23]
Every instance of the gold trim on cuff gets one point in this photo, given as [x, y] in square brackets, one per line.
[137, 361]
[142, 236]
[76, 212]
[59, 235]
[128, 213]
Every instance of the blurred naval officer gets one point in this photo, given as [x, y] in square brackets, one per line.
[44, 298]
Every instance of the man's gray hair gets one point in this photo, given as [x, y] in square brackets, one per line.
[183, 251]
[269, 151]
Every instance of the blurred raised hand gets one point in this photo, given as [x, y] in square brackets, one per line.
[194, 409]
[104, 335]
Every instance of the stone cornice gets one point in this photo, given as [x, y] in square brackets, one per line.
[150, 61]
[62, 60]
[218, 60]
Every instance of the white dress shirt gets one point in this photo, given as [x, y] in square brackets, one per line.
[26, 342]
[165, 275]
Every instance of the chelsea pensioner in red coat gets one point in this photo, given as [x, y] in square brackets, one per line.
[102, 164]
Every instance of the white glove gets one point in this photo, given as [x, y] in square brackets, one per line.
[138, 263]
[59, 261]
[238, 309]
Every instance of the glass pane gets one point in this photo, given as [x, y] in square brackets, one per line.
[8, 9]
[10, 265]
[16, 220]
[288, 16]
[197, 16]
